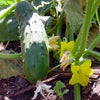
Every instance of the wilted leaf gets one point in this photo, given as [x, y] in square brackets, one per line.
[73, 11]
[8, 69]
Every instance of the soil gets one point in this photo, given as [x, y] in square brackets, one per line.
[18, 88]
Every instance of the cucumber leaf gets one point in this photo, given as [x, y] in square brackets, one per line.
[42, 5]
[8, 25]
[46, 21]
[10, 68]
[9, 28]
[74, 20]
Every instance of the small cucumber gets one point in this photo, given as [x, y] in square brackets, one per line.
[34, 42]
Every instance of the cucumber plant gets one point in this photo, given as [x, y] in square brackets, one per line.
[33, 40]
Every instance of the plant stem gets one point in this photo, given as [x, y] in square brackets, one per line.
[85, 30]
[93, 53]
[78, 41]
[51, 30]
[97, 17]
[77, 91]
[54, 68]
[76, 45]
[8, 10]
[10, 56]
[94, 8]
[98, 20]
[93, 44]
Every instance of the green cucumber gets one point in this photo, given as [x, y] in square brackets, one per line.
[34, 42]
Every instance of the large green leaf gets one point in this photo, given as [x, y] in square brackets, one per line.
[9, 28]
[73, 11]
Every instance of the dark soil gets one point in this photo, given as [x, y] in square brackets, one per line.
[18, 88]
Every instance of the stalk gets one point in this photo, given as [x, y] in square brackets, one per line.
[76, 45]
[10, 56]
[90, 48]
[93, 44]
[8, 10]
[85, 30]
[77, 91]
[82, 40]
[97, 17]
[54, 68]
[93, 53]
[94, 8]
[98, 20]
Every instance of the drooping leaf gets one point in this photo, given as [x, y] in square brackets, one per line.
[9, 69]
[74, 19]
[9, 28]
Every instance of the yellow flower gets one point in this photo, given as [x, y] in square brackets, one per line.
[66, 47]
[53, 44]
[81, 73]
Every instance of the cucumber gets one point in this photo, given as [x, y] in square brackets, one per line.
[34, 42]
